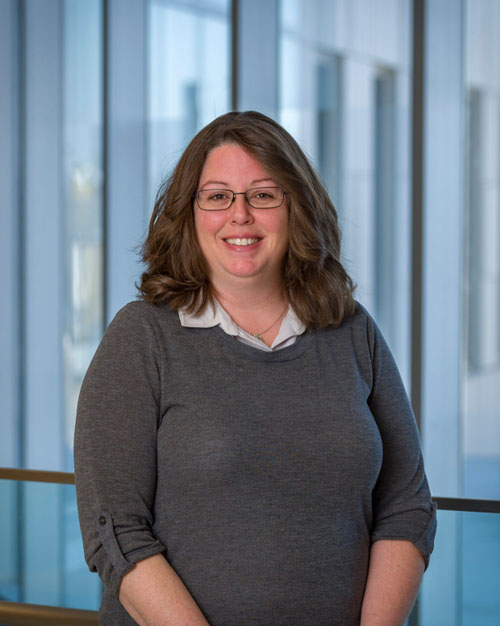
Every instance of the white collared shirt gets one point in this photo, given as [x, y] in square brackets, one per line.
[291, 327]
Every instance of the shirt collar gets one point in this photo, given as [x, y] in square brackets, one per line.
[290, 328]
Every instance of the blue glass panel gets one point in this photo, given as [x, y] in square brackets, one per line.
[343, 93]
[184, 96]
[41, 552]
[463, 580]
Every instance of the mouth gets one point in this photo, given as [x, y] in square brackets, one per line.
[242, 241]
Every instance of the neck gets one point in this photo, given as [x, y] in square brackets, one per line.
[255, 307]
[252, 303]
[250, 294]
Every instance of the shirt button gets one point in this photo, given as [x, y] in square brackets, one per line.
[102, 520]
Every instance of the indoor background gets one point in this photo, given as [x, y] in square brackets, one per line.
[397, 103]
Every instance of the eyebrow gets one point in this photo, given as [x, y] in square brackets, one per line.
[214, 182]
[225, 185]
[261, 180]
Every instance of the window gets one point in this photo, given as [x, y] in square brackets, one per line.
[481, 327]
[344, 93]
[184, 96]
[55, 139]
[52, 130]
[102, 98]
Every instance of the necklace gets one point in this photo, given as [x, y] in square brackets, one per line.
[259, 335]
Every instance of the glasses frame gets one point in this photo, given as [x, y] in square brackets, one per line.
[241, 193]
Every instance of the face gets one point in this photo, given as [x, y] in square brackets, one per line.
[240, 243]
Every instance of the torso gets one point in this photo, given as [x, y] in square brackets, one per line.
[253, 493]
[268, 483]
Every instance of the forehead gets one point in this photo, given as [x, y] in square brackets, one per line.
[230, 162]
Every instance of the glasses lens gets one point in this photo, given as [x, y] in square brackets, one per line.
[215, 199]
[265, 197]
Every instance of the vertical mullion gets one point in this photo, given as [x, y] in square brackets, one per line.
[235, 57]
[11, 269]
[417, 173]
[21, 185]
[257, 81]
[417, 206]
[105, 156]
[11, 275]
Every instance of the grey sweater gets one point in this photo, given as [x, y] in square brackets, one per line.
[263, 477]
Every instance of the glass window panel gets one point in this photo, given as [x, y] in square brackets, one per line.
[384, 222]
[184, 96]
[442, 247]
[466, 560]
[346, 99]
[41, 549]
[462, 250]
[83, 211]
[9, 547]
[481, 371]
[58, 261]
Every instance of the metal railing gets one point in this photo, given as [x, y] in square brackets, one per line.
[469, 505]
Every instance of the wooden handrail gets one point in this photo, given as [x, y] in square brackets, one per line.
[40, 476]
[20, 614]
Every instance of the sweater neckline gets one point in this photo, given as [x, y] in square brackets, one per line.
[300, 345]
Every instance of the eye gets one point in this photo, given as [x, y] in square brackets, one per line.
[217, 196]
[263, 193]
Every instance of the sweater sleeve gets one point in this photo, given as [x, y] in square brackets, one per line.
[402, 504]
[115, 447]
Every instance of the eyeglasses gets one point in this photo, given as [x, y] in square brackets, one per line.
[257, 198]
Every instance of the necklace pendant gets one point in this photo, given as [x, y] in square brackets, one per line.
[257, 336]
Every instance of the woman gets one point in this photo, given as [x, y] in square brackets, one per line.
[245, 453]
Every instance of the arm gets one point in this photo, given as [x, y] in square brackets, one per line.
[404, 520]
[154, 595]
[402, 505]
[119, 410]
[115, 449]
[394, 576]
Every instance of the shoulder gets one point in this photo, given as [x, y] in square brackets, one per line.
[358, 339]
[137, 328]
[134, 341]
[359, 326]
[140, 315]
[360, 319]
[140, 310]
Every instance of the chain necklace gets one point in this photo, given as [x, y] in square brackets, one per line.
[259, 335]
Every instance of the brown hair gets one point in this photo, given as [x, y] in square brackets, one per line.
[317, 285]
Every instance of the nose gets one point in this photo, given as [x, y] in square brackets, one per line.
[240, 210]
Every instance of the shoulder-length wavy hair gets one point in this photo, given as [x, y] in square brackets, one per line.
[316, 284]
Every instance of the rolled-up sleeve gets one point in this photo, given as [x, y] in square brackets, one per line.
[115, 447]
[402, 504]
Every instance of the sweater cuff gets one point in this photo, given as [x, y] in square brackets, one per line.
[417, 525]
[118, 553]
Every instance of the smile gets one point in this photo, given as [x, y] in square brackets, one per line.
[242, 241]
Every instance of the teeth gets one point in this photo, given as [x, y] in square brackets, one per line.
[238, 241]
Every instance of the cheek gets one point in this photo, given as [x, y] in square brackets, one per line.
[207, 223]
